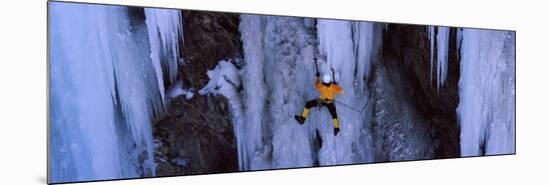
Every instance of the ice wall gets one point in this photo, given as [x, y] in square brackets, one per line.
[486, 109]
[337, 41]
[278, 78]
[104, 94]
[255, 92]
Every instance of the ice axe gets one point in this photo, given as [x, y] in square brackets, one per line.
[316, 67]
[333, 77]
[317, 74]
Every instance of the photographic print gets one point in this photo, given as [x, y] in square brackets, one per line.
[140, 92]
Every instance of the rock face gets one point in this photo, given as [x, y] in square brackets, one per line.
[406, 50]
[400, 130]
[195, 136]
[208, 38]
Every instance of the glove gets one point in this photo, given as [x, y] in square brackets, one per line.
[300, 119]
[336, 130]
[317, 74]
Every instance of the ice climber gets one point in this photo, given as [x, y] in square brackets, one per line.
[327, 90]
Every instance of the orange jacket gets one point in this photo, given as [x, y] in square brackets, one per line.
[327, 93]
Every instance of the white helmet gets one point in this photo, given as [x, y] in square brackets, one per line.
[326, 78]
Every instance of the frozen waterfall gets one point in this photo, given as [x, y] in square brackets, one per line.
[102, 104]
[278, 78]
[338, 41]
[487, 92]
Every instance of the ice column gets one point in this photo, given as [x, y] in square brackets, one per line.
[104, 92]
[486, 110]
[164, 31]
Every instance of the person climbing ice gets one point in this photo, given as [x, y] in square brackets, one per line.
[327, 91]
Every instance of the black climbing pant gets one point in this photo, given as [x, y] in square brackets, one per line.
[330, 106]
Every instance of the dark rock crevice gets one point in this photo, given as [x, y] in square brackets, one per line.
[408, 46]
[200, 133]
[195, 136]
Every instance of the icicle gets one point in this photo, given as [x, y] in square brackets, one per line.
[165, 30]
[431, 37]
[442, 52]
[458, 40]
[104, 93]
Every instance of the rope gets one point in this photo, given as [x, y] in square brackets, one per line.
[359, 111]
[350, 107]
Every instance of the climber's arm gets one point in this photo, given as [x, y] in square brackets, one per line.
[317, 83]
[336, 88]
